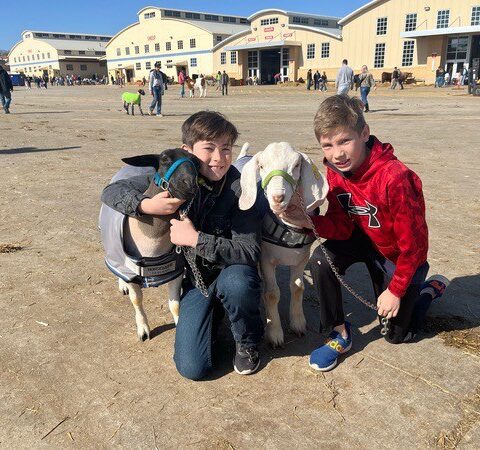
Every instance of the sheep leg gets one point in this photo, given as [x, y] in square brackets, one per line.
[174, 288]
[271, 297]
[298, 324]
[136, 297]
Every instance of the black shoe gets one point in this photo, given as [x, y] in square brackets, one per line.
[7, 111]
[247, 359]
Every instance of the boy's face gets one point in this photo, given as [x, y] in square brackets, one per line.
[215, 157]
[345, 149]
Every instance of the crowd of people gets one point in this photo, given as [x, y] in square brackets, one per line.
[61, 80]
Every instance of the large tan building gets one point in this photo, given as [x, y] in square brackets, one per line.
[44, 52]
[175, 38]
[415, 35]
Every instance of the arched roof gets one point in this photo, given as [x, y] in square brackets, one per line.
[120, 32]
[287, 13]
[359, 11]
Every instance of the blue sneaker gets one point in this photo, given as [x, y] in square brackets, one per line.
[435, 286]
[325, 358]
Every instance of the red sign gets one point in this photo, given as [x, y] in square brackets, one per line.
[151, 38]
[29, 51]
[268, 29]
[288, 35]
[252, 39]
[268, 38]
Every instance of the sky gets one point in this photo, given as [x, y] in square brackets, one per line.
[109, 17]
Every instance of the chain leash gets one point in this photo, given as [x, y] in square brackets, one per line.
[384, 321]
[189, 254]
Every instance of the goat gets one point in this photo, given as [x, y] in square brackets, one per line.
[284, 173]
[138, 249]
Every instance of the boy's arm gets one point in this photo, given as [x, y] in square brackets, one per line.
[407, 206]
[125, 196]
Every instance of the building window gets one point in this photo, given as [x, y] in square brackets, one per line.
[443, 18]
[193, 62]
[243, 21]
[48, 55]
[23, 58]
[38, 55]
[190, 15]
[168, 46]
[285, 56]
[28, 58]
[411, 22]
[211, 17]
[320, 22]
[310, 51]
[169, 13]
[457, 48]
[271, 21]
[325, 50]
[379, 59]
[157, 47]
[408, 48]
[119, 52]
[127, 50]
[180, 45]
[381, 26]
[149, 15]
[69, 66]
[67, 52]
[218, 38]
[223, 58]
[476, 15]
[193, 43]
[229, 19]
[83, 67]
[253, 59]
[300, 20]
[137, 49]
[138, 66]
[80, 52]
[148, 65]
[146, 48]
[14, 59]
[233, 57]
[99, 53]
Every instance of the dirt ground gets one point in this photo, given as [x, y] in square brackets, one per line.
[69, 357]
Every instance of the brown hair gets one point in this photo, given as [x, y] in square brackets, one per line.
[337, 112]
[207, 126]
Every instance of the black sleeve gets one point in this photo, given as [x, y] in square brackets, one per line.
[125, 195]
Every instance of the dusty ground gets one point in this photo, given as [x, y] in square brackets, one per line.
[68, 348]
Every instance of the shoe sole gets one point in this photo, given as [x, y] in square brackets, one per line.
[247, 371]
[331, 366]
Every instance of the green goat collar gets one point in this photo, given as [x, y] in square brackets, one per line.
[279, 173]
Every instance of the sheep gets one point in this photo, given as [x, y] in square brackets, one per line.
[138, 249]
[284, 173]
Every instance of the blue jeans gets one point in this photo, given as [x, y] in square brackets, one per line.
[237, 290]
[5, 100]
[182, 90]
[157, 99]
[364, 91]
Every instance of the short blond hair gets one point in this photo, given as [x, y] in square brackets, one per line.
[339, 112]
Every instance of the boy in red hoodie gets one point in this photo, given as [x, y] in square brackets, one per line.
[376, 215]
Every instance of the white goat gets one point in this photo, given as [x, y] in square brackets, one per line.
[284, 172]
[138, 249]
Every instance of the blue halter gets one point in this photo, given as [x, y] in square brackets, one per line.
[164, 182]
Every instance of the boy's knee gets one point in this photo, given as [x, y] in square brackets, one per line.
[239, 280]
[191, 368]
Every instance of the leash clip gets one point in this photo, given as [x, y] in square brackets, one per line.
[385, 326]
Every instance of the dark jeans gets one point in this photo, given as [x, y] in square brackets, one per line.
[345, 253]
[157, 99]
[224, 89]
[237, 290]
[5, 99]
[364, 91]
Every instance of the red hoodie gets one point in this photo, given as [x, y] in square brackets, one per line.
[384, 199]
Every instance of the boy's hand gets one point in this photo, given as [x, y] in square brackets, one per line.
[160, 205]
[182, 232]
[388, 304]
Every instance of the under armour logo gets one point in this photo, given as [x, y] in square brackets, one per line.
[369, 210]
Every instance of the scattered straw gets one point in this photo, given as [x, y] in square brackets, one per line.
[10, 248]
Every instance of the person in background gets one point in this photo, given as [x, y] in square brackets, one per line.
[366, 84]
[6, 87]
[309, 79]
[344, 81]
[181, 82]
[156, 87]
[225, 80]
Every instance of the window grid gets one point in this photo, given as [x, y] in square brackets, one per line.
[149, 15]
[320, 22]
[127, 50]
[148, 65]
[193, 62]
[325, 50]
[119, 52]
[180, 45]
[408, 49]
[193, 43]
[411, 22]
[168, 46]
[379, 59]
[271, 21]
[233, 57]
[138, 66]
[147, 48]
[83, 67]
[301, 20]
[310, 51]
[137, 49]
[382, 26]
[476, 15]
[157, 47]
[223, 58]
[443, 18]
[219, 38]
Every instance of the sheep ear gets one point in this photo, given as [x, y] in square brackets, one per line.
[314, 185]
[143, 161]
[248, 183]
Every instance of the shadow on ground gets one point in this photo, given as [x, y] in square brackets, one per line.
[15, 151]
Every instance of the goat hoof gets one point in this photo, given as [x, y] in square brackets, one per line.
[125, 291]
[143, 333]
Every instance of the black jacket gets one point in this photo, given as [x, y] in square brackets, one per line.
[227, 234]
[5, 82]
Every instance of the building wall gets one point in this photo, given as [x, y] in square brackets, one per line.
[32, 56]
[161, 31]
[82, 68]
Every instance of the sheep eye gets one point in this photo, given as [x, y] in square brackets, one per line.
[260, 167]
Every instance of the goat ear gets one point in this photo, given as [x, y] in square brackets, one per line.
[314, 185]
[143, 161]
[248, 183]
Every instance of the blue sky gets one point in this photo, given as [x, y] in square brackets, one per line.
[102, 17]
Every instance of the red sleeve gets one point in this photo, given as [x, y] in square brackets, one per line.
[407, 208]
[336, 223]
